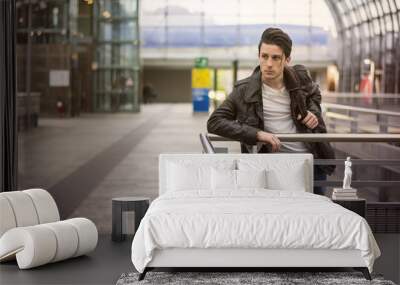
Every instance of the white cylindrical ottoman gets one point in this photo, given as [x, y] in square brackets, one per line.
[37, 245]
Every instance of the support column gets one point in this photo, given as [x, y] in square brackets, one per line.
[235, 67]
[8, 127]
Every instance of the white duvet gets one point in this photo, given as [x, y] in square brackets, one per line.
[253, 218]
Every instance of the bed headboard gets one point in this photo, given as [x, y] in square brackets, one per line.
[269, 160]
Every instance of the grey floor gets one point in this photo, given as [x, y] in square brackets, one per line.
[103, 266]
[86, 161]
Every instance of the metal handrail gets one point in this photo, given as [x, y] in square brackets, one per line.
[326, 137]
[205, 142]
[358, 183]
[358, 161]
[382, 116]
[361, 95]
[341, 117]
[360, 109]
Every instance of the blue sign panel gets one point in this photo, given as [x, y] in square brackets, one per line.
[200, 99]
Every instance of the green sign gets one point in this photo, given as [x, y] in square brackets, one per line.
[201, 62]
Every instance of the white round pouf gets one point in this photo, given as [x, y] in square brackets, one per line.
[30, 230]
[67, 240]
[45, 205]
[23, 208]
[7, 216]
[87, 233]
[33, 246]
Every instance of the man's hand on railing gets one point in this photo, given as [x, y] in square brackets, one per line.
[311, 121]
[269, 139]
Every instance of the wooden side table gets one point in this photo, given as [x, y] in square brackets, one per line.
[120, 208]
[358, 206]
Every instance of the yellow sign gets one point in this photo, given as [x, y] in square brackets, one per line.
[201, 78]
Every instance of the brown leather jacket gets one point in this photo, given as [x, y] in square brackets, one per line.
[240, 116]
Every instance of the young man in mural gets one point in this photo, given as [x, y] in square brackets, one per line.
[276, 98]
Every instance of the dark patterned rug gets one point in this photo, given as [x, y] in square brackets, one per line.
[242, 278]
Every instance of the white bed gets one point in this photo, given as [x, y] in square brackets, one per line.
[215, 211]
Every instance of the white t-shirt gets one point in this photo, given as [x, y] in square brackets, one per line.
[277, 117]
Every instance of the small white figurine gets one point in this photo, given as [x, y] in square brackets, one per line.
[347, 174]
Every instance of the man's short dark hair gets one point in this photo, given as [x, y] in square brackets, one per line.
[277, 37]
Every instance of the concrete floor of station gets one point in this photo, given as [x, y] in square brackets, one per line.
[115, 155]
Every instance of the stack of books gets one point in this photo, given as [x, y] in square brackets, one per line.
[344, 194]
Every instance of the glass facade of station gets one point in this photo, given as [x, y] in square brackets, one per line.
[370, 44]
[77, 56]
[116, 33]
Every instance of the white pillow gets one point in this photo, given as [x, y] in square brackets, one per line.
[279, 180]
[223, 179]
[251, 179]
[185, 174]
[188, 177]
[290, 174]
[227, 179]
